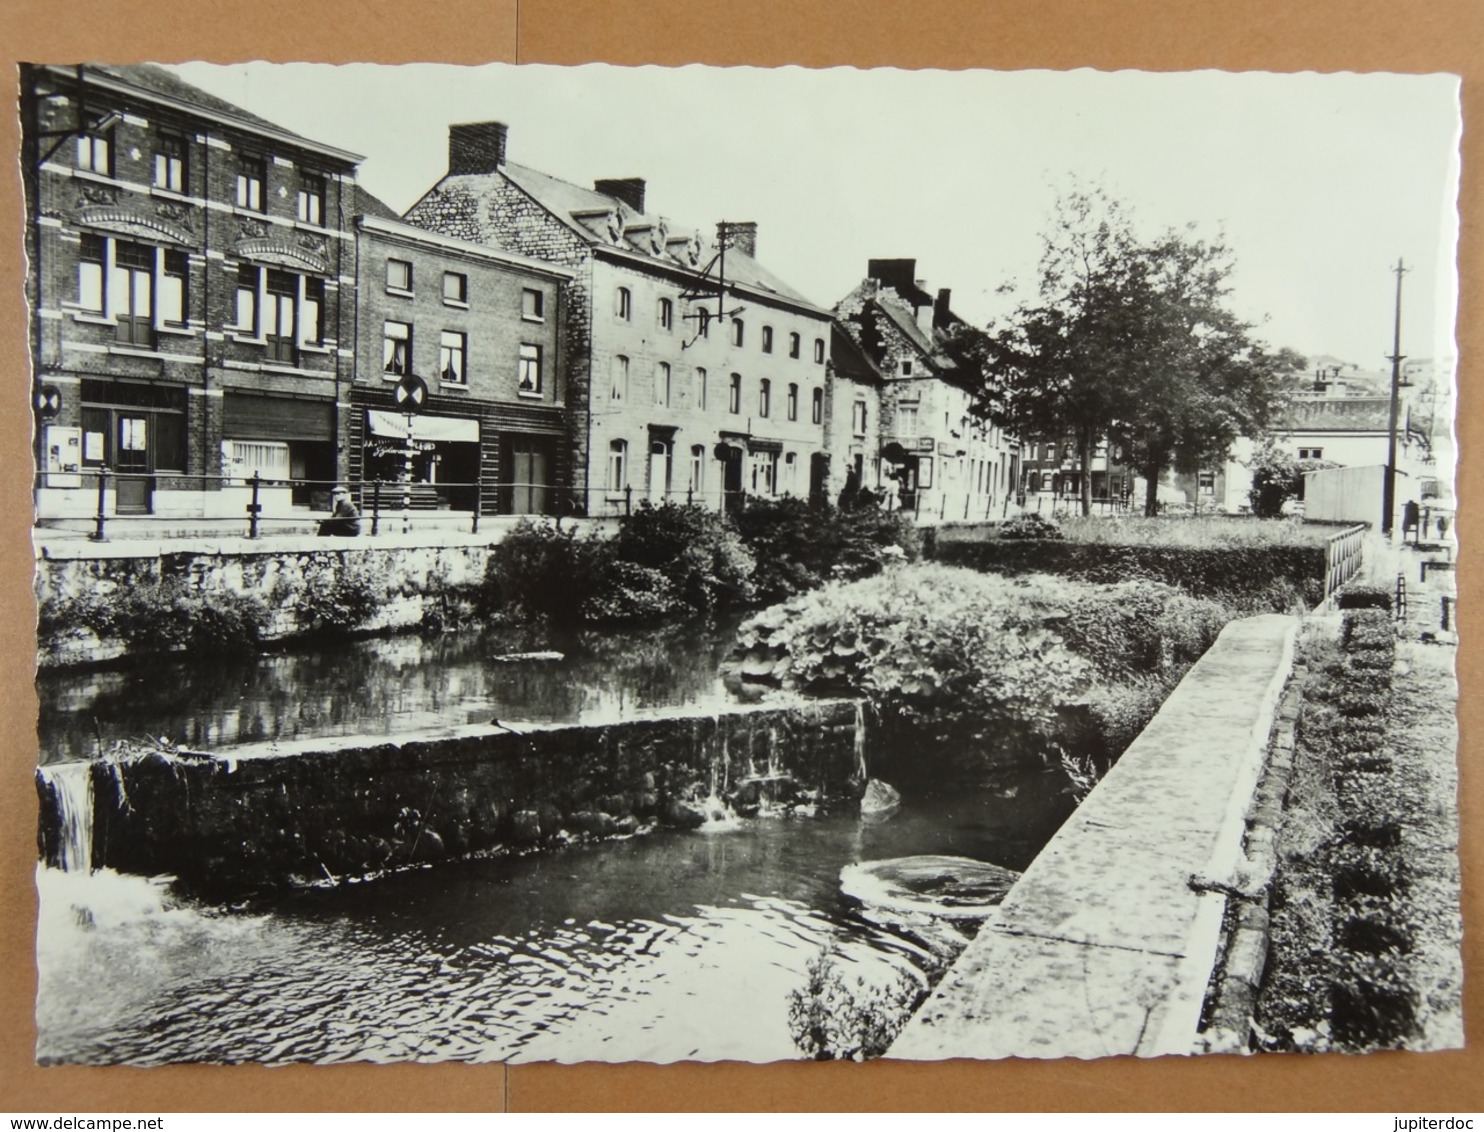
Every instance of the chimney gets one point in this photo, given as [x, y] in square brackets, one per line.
[940, 307]
[630, 190]
[743, 235]
[476, 147]
[894, 273]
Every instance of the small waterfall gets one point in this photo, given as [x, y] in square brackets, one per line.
[71, 785]
[860, 741]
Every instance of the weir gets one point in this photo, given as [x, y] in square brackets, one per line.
[297, 813]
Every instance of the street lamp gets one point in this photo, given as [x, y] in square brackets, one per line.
[1388, 492]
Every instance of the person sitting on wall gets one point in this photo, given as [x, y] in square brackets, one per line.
[344, 519]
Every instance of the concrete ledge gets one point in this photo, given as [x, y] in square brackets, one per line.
[1105, 946]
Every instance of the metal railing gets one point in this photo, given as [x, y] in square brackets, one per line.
[1343, 556]
[270, 501]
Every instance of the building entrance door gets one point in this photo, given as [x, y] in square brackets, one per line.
[528, 473]
[135, 484]
[659, 472]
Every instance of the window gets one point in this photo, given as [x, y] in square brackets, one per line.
[95, 153]
[1311, 453]
[816, 407]
[703, 323]
[245, 317]
[793, 345]
[906, 367]
[90, 262]
[530, 370]
[250, 176]
[858, 418]
[173, 270]
[170, 151]
[793, 401]
[819, 351]
[311, 199]
[764, 473]
[618, 458]
[737, 332]
[767, 339]
[280, 325]
[662, 384]
[764, 397]
[1207, 482]
[666, 315]
[533, 305]
[620, 378]
[791, 473]
[734, 394]
[697, 468]
[399, 276]
[907, 420]
[452, 347]
[396, 349]
[623, 304]
[133, 291]
[698, 388]
[311, 312]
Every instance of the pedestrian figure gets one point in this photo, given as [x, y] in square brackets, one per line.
[344, 520]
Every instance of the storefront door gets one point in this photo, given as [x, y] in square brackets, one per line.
[135, 484]
[529, 469]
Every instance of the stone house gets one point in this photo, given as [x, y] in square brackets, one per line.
[937, 460]
[852, 417]
[191, 285]
[692, 372]
[480, 327]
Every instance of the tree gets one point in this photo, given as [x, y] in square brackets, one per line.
[1130, 341]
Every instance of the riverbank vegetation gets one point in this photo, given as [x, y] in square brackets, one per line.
[977, 666]
[1364, 906]
[684, 560]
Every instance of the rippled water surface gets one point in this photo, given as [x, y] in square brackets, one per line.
[660, 947]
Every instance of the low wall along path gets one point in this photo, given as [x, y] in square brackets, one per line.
[1105, 946]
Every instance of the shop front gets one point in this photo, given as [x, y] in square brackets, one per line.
[441, 452]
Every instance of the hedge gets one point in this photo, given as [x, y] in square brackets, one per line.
[1263, 576]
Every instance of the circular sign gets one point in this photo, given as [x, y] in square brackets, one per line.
[411, 394]
[48, 401]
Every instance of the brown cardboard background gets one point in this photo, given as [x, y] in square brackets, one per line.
[1322, 35]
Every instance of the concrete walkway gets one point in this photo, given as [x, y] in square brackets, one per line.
[1104, 946]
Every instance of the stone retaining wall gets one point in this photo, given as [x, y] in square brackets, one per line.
[294, 813]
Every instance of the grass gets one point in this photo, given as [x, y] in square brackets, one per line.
[1212, 531]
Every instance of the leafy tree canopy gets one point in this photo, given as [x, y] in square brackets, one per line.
[1129, 340]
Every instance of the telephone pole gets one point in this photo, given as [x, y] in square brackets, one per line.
[1388, 492]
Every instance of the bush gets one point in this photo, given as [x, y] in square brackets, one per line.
[798, 546]
[537, 570]
[1361, 595]
[1372, 1001]
[1367, 629]
[1364, 870]
[625, 591]
[1030, 524]
[338, 596]
[1275, 480]
[698, 550]
[1140, 627]
[830, 1021]
[164, 615]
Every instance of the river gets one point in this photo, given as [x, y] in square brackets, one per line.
[664, 946]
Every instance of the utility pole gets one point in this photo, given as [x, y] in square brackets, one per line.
[1388, 492]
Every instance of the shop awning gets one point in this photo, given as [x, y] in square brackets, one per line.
[460, 430]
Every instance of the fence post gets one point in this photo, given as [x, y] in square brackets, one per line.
[628, 499]
[99, 535]
[254, 507]
[478, 503]
[375, 506]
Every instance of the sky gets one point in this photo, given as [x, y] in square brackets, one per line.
[1318, 183]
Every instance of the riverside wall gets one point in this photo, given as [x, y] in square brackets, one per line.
[287, 814]
[1107, 943]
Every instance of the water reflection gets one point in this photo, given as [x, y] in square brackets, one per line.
[381, 686]
[661, 947]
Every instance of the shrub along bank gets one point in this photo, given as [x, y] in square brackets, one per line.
[973, 669]
[681, 559]
[1249, 565]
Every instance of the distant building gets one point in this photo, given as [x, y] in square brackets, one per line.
[692, 372]
[192, 273]
[937, 460]
[481, 328]
[1053, 472]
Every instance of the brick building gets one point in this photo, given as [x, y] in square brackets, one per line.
[1052, 478]
[480, 327]
[692, 371]
[192, 289]
[937, 461]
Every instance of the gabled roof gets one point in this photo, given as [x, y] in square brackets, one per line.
[588, 213]
[157, 84]
[367, 204]
[1336, 414]
[848, 358]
